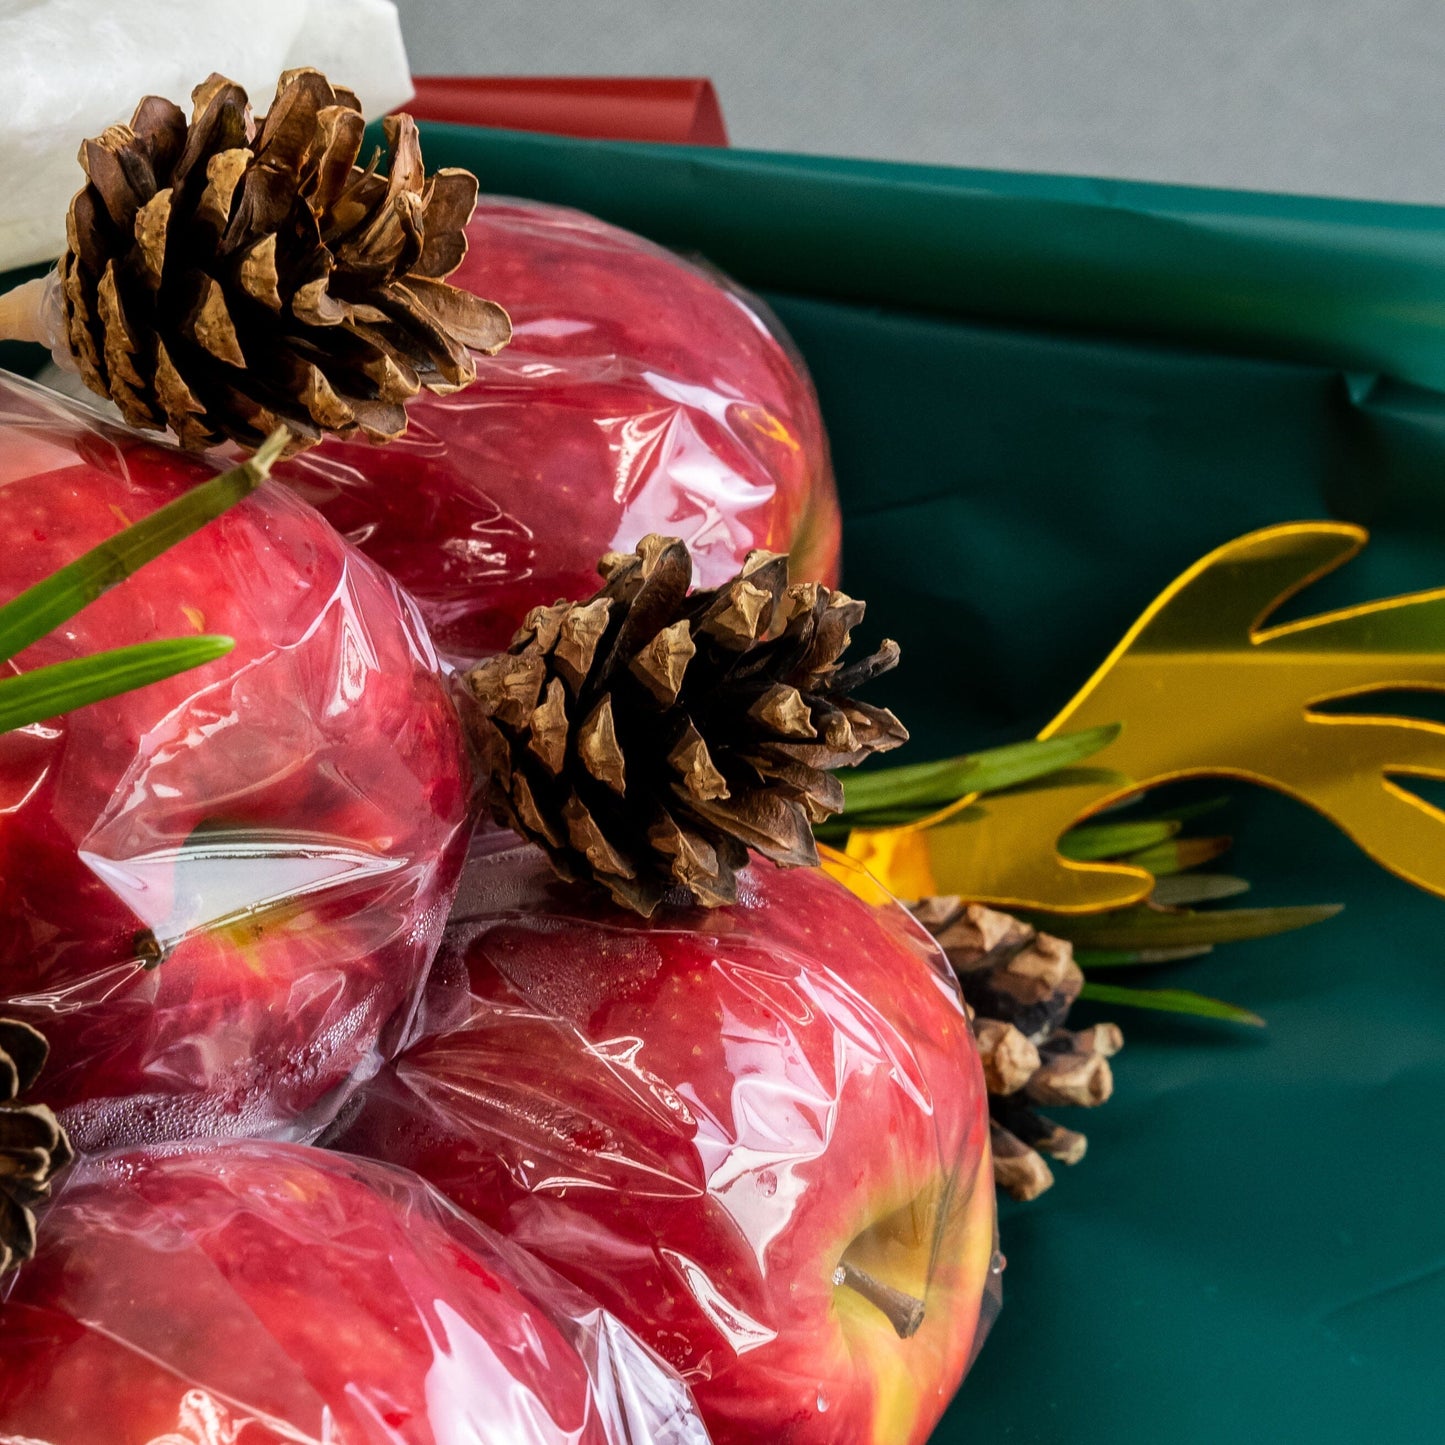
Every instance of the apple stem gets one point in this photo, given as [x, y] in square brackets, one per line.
[22, 317]
[904, 1311]
[32, 311]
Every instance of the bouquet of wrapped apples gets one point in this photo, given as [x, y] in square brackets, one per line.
[417, 937]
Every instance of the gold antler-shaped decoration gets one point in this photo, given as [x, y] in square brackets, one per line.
[1204, 687]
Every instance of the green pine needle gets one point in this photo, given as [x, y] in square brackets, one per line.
[1180, 855]
[46, 692]
[1090, 842]
[1136, 957]
[917, 789]
[1171, 1000]
[1146, 927]
[1184, 890]
[42, 608]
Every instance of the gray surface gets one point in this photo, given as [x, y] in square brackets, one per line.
[1342, 97]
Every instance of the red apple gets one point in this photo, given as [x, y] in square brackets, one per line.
[640, 394]
[281, 829]
[758, 1135]
[273, 1294]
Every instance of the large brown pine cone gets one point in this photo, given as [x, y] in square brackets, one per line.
[227, 276]
[650, 736]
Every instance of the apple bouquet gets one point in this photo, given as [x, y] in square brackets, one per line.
[269, 1294]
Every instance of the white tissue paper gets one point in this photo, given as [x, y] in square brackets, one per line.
[69, 68]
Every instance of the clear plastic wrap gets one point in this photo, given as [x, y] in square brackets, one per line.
[758, 1135]
[218, 894]
[274, 1294]
[640, 393]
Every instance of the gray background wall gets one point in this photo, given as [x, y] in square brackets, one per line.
[1343, 97]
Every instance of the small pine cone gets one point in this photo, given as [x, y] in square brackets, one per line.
[648, 737]
[229, 276]
[33, 1146]
[1019, 985]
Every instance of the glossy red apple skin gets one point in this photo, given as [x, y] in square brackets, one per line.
[267, 1294]
[640, 393]
[693, 1118]
[290, 819]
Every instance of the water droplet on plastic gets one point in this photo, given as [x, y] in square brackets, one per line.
[997, 1263]
[767, 1182]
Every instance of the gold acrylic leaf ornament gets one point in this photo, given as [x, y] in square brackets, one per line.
[1205, 687]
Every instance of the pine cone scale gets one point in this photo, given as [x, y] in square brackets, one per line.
[151, 223]
[33, 1146]
[122, 177]
[599, 749]
[574, 645]
[291, 124]
[474, 322]
[451, 197]
[17, 1233]
[210, 326]
[641, 735]
[224, 172]
[662, 664]
[218, 123]
[23, 1052]
[159, 124]
[341, 131]
[183, 411]
[550, 729]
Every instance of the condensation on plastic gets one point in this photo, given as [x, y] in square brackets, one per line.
[699, 1119]
[251, 1293]
[284, 826]
[640, 393]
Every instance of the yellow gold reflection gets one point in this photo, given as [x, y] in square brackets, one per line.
[1204, 687]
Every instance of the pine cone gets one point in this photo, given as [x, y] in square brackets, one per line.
[229, 276]
[1019, 985]
[33, 1146]
[648, 737]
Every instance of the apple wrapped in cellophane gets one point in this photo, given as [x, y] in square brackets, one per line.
[219, 894]
[275, 1294]
[757, 1134]
[640, 393]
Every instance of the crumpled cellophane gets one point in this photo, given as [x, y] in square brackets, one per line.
[218, 894]
[701, 1119]
[640, 393]
[251, 1293]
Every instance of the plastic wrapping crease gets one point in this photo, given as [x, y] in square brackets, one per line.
[279, 831]
[640, 393]
[247, 1293]
[700, 1119]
